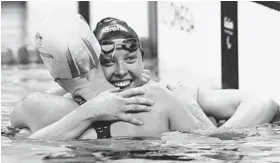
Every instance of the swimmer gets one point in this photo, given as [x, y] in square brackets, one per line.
[120, 66]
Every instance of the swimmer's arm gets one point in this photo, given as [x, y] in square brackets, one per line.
[180, 118]
[70, 126]
[44, 117]
[192, 105]
[20, 117]
[187, 94]
[39, 109]
[21, 113]
[17, 117]
[28, 105]
[241, 109]
[277, 116]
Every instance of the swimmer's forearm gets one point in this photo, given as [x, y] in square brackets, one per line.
[192, 105]
[181, 117]
[70, 126]
[197, 112]
[277, 116]
[252, 111]
[183, 120]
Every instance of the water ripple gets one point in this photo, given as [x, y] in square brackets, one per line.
[256, 144]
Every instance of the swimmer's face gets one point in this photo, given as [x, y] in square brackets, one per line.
[124, 68]
[75, 85]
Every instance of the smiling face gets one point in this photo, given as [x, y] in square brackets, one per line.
[122, 67]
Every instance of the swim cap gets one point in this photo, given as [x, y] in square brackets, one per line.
[111, 28]
[67, 46]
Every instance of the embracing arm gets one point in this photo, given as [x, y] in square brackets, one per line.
[187, 94]
[50, 116]
[180, 117]
[69, 121]
[110, 106]
[40, 109]
[35, 106]
[70, 126]
[241, 109]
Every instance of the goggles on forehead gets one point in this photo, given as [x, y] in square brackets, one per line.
[109, 46]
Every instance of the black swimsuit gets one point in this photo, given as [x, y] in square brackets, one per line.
[102, 128]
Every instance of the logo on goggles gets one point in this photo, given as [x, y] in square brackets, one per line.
[46, 55]
[114, 28]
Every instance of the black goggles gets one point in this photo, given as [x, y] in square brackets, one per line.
[109, 46]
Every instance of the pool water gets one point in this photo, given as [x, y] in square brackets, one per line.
[256, 144]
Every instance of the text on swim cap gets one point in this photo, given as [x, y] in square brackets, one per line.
[46, 55]
[114, 28]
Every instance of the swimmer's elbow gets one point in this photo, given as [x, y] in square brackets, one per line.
[268, 107]
[16, 116]
[271, 106]
[22, 110]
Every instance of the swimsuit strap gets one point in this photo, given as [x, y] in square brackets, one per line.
[102, 128]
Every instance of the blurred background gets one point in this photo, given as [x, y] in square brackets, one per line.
[215, 44]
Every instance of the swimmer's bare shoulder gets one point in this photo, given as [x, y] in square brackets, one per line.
[160, 95]
[179, 116]
[157, 92]
[40, 109]
[155, 88]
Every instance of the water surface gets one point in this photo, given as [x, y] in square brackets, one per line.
[256, 144]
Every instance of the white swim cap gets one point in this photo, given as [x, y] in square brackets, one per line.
[67, 46]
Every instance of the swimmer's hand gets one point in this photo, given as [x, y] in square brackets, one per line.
[146, 76]
[113, 105]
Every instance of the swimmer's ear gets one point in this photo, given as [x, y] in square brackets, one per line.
[89, 77]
